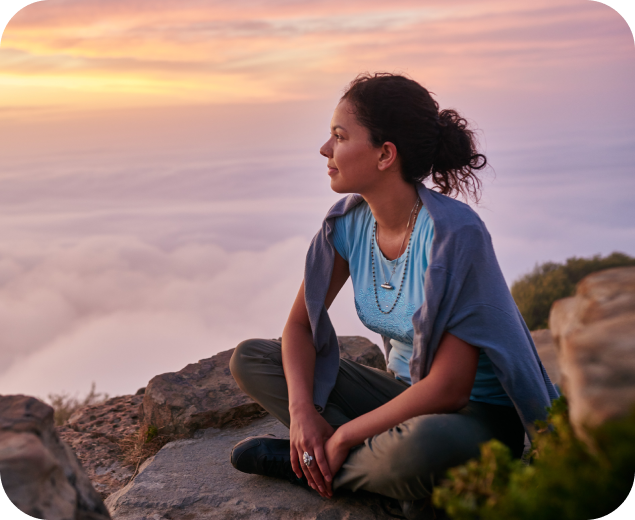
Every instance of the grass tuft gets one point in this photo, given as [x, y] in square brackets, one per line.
[65, 405]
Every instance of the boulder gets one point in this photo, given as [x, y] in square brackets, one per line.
[95, 433]
[194, 479]
[204, 394]
[595, 336]
[548, 353]
[40, 473]
[362, 351]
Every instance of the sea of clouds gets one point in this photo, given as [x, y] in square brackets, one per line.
[117, 265]
[134, 247]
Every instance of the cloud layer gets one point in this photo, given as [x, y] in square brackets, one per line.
[118, 311]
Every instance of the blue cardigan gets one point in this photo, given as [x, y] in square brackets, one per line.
[465, 294]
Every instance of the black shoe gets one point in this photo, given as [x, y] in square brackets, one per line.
[266, 456]
[421, 510]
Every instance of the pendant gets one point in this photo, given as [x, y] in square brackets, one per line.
[386, 285]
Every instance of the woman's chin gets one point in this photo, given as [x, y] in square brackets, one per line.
[339, 187]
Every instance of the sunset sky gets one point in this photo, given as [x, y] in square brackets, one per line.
[160, 179]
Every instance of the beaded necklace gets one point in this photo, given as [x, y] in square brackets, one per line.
[405, 269]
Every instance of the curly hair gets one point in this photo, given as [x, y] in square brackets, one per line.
[430, 143]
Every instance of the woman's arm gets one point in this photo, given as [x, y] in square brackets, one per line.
[446, 389]
[308, 430]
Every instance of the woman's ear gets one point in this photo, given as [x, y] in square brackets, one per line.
[388, 156]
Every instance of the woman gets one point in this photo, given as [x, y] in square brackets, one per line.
[462, 366]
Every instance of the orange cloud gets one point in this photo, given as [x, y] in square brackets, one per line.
[88, 53]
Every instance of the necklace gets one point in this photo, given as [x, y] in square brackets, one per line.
[386, 284]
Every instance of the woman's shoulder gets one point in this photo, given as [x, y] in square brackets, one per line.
[448, 211]
[344, 206]
[452, 218]
[354, 221]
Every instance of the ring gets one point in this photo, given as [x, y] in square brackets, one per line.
[307, 459]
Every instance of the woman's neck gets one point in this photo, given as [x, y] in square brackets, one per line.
[392, 206]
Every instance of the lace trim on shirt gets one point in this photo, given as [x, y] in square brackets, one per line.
[397, 325]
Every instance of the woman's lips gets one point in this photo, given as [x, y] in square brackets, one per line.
[332, 171]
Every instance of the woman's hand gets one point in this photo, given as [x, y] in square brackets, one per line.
[336, 452]
[309, 431]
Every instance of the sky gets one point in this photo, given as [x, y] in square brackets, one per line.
[160, 179]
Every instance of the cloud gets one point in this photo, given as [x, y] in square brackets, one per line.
[118, 311]
[118, 302]
[130, 53]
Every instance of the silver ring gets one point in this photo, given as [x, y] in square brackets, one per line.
[307, 459]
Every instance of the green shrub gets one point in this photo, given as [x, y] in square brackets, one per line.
[536, 291]
[151, 433]
[566, 480]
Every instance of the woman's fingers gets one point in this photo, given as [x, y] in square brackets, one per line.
[316, 473]
[324, 469]
[307, 473]
[295, 464]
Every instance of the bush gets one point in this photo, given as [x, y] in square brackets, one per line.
[566, 480]
[535, 292]
[66, 405]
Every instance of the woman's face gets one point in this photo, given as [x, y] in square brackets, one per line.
[352, 160]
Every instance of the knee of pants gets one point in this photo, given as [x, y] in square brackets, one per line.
[239, 364]
[423, 447]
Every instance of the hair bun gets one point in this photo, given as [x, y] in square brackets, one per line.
[456, 153]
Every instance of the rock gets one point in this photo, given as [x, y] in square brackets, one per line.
[193, 479]
[100, 458]
[95, 433]
[595, 335]
[204, 394]
[548, 353]
[362, 351]
[40, 473]
[116, 417]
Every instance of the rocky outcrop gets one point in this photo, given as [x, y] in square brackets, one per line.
[595, 336]
[205, 395]
[546, 348]
[193, 478]
[40, 473]
[96, 434]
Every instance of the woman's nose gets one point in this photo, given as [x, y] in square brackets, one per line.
[325, 150]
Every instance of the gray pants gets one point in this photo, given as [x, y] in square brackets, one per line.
[403, 462]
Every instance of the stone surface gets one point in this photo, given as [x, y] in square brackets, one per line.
[362, 350]
[116, 417]
[40, 473]
[548, 353]
[193, 479]
[204, 394]
[595, 336]
[95, 434]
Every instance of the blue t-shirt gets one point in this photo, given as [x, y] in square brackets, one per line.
[352, 239]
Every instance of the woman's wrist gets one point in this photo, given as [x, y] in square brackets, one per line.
[343, 439]
[301, 409]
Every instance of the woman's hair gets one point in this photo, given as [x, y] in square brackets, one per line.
[430, 143]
